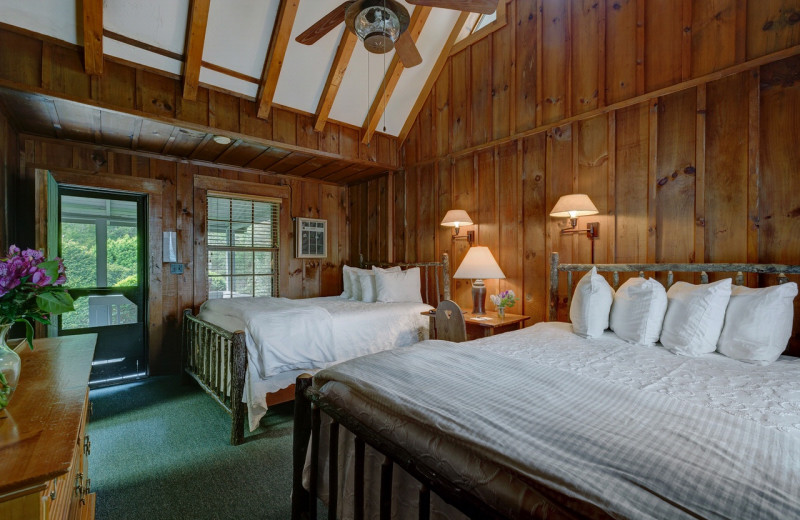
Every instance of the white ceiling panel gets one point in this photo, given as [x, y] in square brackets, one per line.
[224, 81]
[306, 68]
[144, 57]
[238, 34]
[360, 85]
[433, 37]
[161, 23]
[52, 17]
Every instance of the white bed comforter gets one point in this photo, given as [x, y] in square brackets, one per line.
[286, 337]
[636, 431]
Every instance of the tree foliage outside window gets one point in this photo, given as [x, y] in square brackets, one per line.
[79, 250]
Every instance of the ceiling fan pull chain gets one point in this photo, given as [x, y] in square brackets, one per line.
[384, 71]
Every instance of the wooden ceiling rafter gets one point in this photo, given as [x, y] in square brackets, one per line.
[93, 36]
[275, 56]
[340, 62]
[392, 77]
[463, 20]
[195, 41]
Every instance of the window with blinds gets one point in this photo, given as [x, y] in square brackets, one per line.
[243, 243]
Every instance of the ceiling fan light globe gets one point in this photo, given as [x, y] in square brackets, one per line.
[378, 23]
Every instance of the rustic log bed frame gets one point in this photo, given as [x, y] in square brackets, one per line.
[310, 403]
[205, 346]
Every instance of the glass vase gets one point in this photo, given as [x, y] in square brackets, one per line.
[9, 368]
[501, 312]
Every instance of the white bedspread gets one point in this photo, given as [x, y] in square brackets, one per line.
[288, 337]
[638, 432]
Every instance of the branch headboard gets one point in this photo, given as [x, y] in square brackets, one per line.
[434, 277]
[737, 270]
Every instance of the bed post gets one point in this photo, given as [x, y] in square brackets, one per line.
[446, 273]
[239, 368]
[185, 346]
[302, 432]
[553, 307]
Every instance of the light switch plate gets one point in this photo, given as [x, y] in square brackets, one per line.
[176, 268]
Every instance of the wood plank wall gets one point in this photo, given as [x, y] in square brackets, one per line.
[298, 277]
[707, 171]
[9, 163]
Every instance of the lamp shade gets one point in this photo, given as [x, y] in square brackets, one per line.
[456, 218]
[479, 264]
[574, 205]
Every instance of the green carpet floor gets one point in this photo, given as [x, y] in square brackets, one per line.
[160, 450]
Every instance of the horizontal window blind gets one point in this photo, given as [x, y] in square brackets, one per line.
[243, 244]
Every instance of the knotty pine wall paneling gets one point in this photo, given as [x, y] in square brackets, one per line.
[704, 169]
[183, 210]
[9, 162]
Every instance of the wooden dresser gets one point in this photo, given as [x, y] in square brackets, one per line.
[43, 446]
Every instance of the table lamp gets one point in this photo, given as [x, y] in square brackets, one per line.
[478, 264]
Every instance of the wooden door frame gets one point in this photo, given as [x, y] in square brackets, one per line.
[153, 189]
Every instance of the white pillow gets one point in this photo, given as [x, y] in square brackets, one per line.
[355, 283]
[358, 284]
[758, 323]
[347, 282]
[591, 305]
[368, 290]
[638, 311]
[695, 315]
[403, 286]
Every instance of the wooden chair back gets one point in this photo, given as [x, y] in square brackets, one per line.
[450, 325]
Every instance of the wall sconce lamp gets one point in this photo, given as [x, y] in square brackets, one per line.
[574, 206]
[456, 218]
[478, 264]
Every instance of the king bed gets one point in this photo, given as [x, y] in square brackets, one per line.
[545, 423]
[247, 352]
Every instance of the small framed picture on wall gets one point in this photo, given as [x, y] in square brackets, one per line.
[311, 238]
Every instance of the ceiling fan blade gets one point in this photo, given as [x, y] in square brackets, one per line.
[407, 51]
[475, 6]
[324, 25]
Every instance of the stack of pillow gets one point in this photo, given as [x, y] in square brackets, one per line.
[382, 285]
[751, 325]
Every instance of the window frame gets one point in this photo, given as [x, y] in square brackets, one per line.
[470, 35]
[275, 213]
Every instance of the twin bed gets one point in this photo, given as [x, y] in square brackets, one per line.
[542, 423]
[247, 352]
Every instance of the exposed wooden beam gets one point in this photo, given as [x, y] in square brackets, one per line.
[277, 51]
[195, 40]
[393, 73]
[340, 62]
[93, 36]
[434, 75]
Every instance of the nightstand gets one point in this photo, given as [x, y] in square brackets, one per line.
[483, 328]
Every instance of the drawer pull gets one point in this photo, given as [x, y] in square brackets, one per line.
[87, 445]
[53, 493]
[79, 485]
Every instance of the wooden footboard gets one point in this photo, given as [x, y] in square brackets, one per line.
[308, 406]
[217, 359]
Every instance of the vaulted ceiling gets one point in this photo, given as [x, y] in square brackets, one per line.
[248, 47]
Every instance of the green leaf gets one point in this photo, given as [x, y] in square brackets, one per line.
[55, 302]
[28, 331]
[50, 268]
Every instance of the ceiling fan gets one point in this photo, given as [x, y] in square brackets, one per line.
[382, 24]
